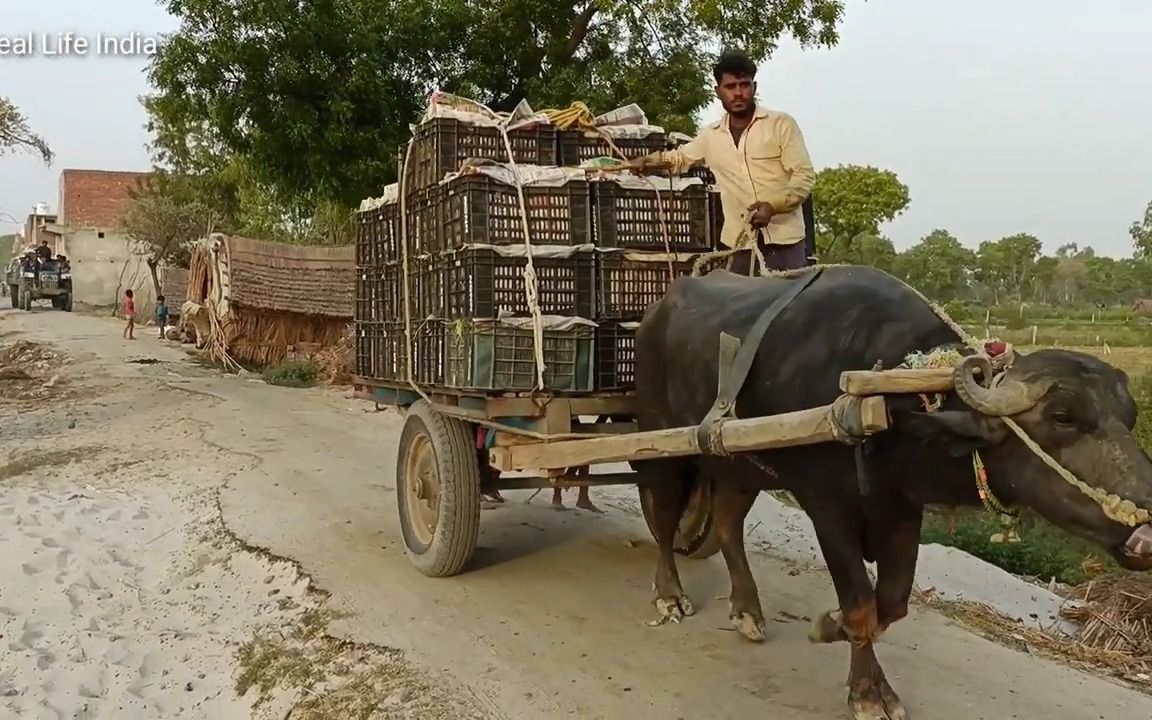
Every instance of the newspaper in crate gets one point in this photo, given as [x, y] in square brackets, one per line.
[551, 176]
[530, 175]
[623, 122]
[390, 197]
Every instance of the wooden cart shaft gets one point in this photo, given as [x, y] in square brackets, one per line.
[805, 427]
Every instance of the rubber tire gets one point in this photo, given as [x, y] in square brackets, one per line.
[14, 291]
[458, 523]
[26, 300]
[703, 542]
[66, 306]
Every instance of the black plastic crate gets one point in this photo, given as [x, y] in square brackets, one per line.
[478, 209]
[715, 218]
[441, 145]
[481, 283]
[428, 279]
[643, 219]
[488, 355]
[702, 172]
[380, 293]
[628, 282]
[577, 146]
[422, 209]
[616, 356]
[380, 350]
[370, 302]
[387, 233]
[366, 238]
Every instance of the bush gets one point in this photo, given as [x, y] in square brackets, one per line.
[293, 373]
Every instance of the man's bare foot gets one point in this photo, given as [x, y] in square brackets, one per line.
[558, 499]
[493, 495]
[585, 503]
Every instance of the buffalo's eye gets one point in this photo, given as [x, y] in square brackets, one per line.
[1061, 416]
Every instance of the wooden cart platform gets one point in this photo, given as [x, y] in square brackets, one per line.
[455, 446]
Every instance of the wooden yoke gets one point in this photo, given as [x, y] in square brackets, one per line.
[896, 382]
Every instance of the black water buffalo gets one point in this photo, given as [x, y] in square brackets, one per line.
[1076, 407]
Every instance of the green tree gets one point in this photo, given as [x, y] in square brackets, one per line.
[1141, 232]
[938, 266]
[875, 250]
[1007, 266]
[162, 224]
[852, 200]
[16, 135]
[317, 96]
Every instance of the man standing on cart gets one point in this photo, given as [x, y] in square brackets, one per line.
[762, 170]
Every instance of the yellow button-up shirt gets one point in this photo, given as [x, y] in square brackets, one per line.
[770, 164]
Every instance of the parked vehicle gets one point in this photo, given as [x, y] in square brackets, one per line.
[29, 278]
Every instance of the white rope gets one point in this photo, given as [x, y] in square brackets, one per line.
[531, 287]
[410, 345]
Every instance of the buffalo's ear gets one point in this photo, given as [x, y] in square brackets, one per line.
[959, 432]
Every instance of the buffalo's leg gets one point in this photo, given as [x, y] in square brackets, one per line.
[730, 505]
[841, 533]
[896, 555]
[667, 484]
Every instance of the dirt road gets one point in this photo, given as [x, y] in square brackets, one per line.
[550, 623]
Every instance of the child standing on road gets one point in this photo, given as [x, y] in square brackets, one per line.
[129, 315]
[161, 314]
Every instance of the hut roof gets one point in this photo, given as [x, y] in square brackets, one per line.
[311, 280]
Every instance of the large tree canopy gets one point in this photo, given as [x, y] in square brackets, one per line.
[317, 95]
[852, 201]
[15, 135]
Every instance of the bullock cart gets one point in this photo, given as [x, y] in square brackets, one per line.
[454, 447]
[497, 305]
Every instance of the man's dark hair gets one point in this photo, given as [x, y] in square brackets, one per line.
[159, 298]
[127, 293]
[734, 63]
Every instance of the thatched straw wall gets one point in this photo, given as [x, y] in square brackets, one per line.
[255, 302]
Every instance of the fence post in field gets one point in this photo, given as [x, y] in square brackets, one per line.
[1035, 329]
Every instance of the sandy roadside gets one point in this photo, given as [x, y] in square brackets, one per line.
[122, 595]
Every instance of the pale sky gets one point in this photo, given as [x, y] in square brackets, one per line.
[1002, 117]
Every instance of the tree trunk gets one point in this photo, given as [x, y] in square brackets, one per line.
[156, 289]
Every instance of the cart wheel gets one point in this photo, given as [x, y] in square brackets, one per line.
[437, 491]
[695, 538]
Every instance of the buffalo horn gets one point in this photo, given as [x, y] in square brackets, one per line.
[1008, 397]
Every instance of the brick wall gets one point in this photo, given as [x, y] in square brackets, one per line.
[95, 198]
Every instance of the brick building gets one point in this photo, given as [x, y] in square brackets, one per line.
[96, 199]
[89, 210]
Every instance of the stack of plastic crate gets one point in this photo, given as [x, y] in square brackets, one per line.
[378, 316]
[647, 231]
[467, 257]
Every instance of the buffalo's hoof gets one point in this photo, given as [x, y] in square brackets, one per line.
[674, 609]
[878, 702]
[828, 628]
[748, 625]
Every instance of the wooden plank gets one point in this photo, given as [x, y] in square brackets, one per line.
[508, 439]
[587, 405]
[893, 382]
[535, 482]
[805, 427]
